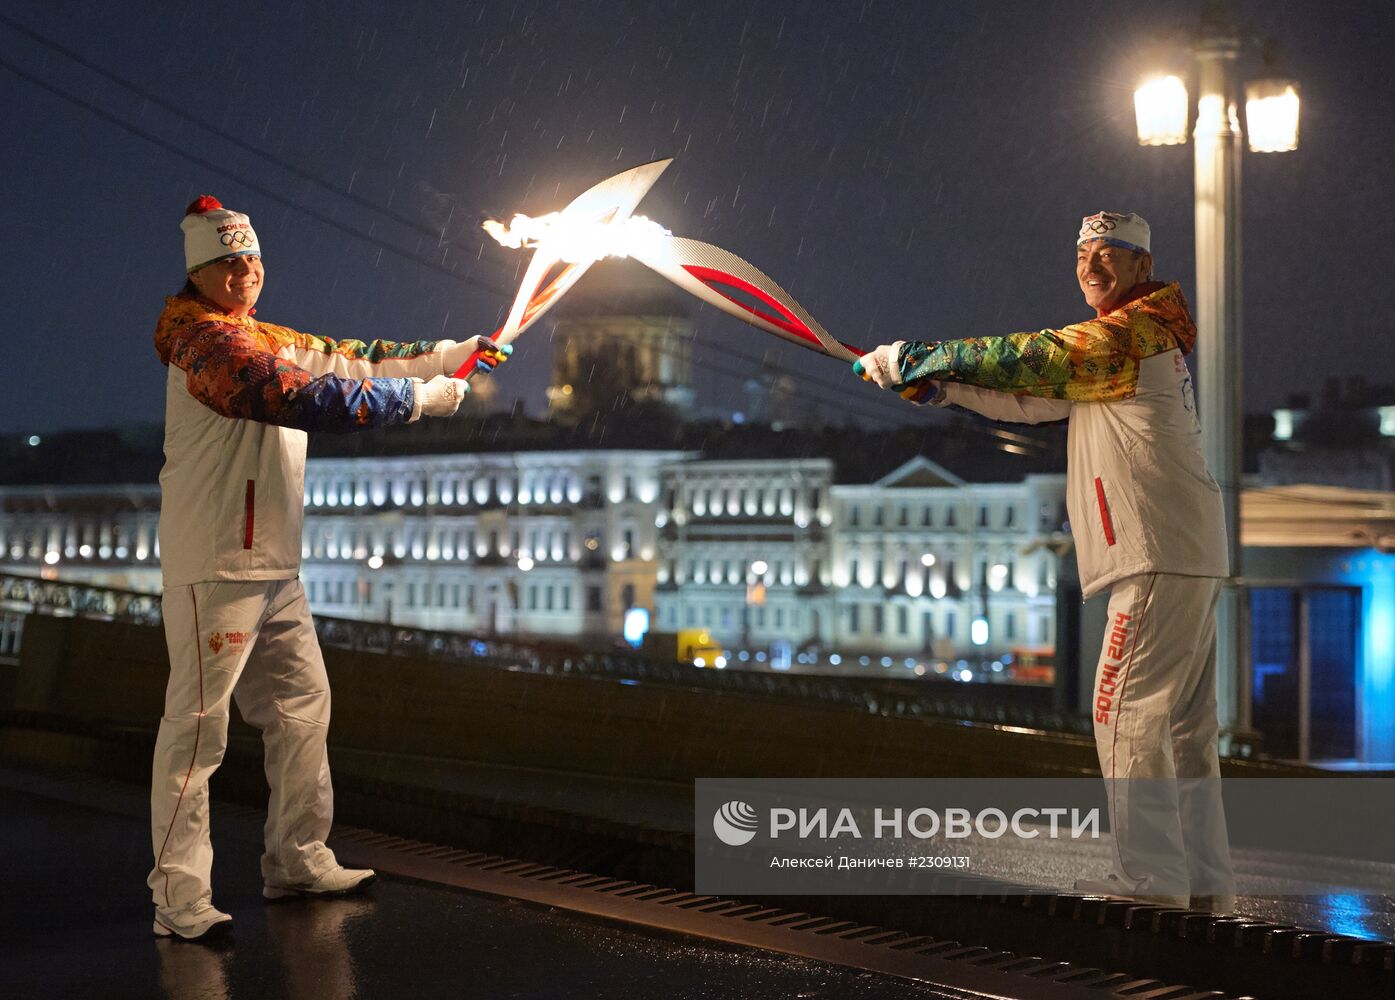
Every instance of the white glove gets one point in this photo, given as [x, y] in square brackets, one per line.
[882, 366]
[438, 398]
[491, 354]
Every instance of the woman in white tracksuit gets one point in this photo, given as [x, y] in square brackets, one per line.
[1148, 526]
[241, 396]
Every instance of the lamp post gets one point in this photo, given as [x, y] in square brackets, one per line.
[1272, 116]
[755, 594]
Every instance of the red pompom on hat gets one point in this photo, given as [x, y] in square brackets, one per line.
[203, 203]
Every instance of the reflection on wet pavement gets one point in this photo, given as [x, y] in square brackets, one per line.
[82, 870]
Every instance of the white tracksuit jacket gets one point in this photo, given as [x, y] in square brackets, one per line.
[241, 396]
[1139, 496]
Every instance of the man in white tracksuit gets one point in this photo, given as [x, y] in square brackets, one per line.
[1148, 526]
[241, 395]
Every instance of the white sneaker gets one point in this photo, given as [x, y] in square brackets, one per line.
[191, 922]
[338, 881]
[1213, 903]
[1113, 885]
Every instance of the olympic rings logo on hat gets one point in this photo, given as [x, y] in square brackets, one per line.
[240, 239]
[1100, 225]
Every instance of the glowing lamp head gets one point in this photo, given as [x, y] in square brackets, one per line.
[1271, 112]
[1161, 108]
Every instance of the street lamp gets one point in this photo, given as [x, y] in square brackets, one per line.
[1272, 113]
[755, 594]
[978, 628]
[1161, 109]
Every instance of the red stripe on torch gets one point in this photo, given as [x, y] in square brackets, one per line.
[786, 320]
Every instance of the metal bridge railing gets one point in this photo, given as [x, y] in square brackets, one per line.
[20, 595]
[23, 594]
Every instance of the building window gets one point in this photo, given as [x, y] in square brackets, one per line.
[593, 598]
[411, 594]
[854, 517]
[1010, 518]
[950, 624]
[627, 596]
[903, 623]
[854, 619]
[950, 518]
[1010, 626]
[878, 517]
[567, 598]
[926, 519]
[878, 619]
[779, 617]
[983, 515]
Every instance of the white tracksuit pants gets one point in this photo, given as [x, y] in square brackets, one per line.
[1155, 730]
[254, 641]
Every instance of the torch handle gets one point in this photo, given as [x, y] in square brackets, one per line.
[467, 370]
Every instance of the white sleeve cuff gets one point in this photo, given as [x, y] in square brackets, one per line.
[416, 400]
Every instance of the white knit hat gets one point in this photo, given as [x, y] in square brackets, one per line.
[1129, 231]
[212, 232]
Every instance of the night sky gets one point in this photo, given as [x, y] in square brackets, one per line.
[908, 170]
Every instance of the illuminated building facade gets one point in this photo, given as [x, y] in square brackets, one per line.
[523, 543]
[918, 566]
[766, 551]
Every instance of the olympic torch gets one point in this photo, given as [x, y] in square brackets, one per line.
[599, 224]
[595, 224]
[714, 275]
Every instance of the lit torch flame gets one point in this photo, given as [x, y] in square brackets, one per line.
[577, 241]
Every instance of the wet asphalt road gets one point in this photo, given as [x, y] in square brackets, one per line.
[77, 921]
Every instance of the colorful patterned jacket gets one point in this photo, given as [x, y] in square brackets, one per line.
[1092, 362]
[1139, 497]
[240, 396]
